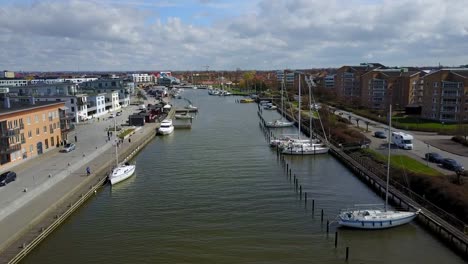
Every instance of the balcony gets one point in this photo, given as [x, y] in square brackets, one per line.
[10, 149]
[11, 132]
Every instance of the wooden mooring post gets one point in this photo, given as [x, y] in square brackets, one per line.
[336, 239]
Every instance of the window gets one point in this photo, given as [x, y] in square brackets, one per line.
[31, 148]
[436, 84]
[45, 129]
[72, 101]
[37, 131]
[73, 109]
[28, 120]
[51, 129]
[23, 140]
[29, 134]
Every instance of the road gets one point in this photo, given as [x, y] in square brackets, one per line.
[421, 142]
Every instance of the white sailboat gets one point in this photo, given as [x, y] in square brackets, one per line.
[280, 122]
[122, 171]
[367, 217]
[312, 147]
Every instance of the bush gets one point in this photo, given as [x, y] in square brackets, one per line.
[461, 140]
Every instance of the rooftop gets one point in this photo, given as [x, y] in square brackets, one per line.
[19, 107]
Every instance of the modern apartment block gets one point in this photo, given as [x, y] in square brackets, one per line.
[143, 78]
[27, 130]
[382, 87]
[110, 85]
[445, 95]
[348, 80]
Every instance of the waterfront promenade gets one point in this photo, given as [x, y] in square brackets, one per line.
[35, 194]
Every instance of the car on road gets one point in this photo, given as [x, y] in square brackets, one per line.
[434, 157]
[452, 164]
[380, 134]
[7, 177]
[68, 147]
[119, 113]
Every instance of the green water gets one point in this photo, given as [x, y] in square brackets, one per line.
[217, 194]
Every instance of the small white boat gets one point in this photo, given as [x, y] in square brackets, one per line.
[373, 218]
[166, 127]
[121, 173]
[183, 116]
[305, 149]
[270, 107]
[190, 106]
[366, 217]
[279, 123]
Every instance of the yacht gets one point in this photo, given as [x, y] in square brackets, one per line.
[121, 171]
[166, 127]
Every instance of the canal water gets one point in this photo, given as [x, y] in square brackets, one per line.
[217, 194]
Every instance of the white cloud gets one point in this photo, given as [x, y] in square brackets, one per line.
[88, 35]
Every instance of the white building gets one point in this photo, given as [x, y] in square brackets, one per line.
[24, 82]
[97, 105]
[142, 77]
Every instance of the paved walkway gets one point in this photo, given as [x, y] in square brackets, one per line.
[34, 191]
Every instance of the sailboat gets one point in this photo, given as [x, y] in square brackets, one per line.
[121, 171]
[368, 217]
[299, 147]
[280, 122]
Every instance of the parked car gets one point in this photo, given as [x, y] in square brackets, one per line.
[119, 113]
[452, 164]
[380, 134]
[7, 177]
[69, 147]
[434, 157]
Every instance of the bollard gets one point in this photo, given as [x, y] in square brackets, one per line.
[328, 226]
[321, 216]
[347, 253]
[336, 239]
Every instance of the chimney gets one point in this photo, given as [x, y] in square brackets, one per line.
[33, 100]
[6, 102]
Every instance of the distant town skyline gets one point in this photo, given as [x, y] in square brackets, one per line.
[130, 35]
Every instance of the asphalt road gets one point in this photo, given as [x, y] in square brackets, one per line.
[420, 147]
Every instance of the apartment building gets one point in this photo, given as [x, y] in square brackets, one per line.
[382, 87]
[142, 78]
[122, 87]
[348, 80]
[445, 95]
[27, 130]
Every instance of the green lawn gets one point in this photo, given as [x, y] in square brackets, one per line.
[126, 132]
[406, 163]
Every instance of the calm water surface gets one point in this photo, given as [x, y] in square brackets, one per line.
[217, 194]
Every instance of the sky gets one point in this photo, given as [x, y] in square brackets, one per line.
[144, 35]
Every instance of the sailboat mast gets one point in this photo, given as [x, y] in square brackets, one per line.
[115, 142]
[299, 118]
[282, 91]
[388, 161]
[310, 114]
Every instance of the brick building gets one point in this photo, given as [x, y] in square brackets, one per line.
[27, 130]
[445, 95]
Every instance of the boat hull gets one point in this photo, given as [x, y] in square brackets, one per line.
[166, 130]
[279, 124]
[121, 173]
[305, 151]
[401, 219]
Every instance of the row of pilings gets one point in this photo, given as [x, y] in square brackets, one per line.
[301, 191]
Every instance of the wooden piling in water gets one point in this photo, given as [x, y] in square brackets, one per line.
[300, 192]
[328, 226]
[347, 253]
[336, 239]
[305, 198]
[313, 207]
[321, 216]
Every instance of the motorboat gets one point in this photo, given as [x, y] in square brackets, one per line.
[247, 100]
[166, 127]
[190, 106]
[367, 217]
[270, 106]
[183, 116]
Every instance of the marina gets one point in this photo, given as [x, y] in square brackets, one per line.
[179, 208]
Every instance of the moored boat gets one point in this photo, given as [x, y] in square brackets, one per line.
[166, 127]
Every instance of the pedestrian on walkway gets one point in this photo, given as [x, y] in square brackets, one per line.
[88, 171]
[76, 138]
[129, 140]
